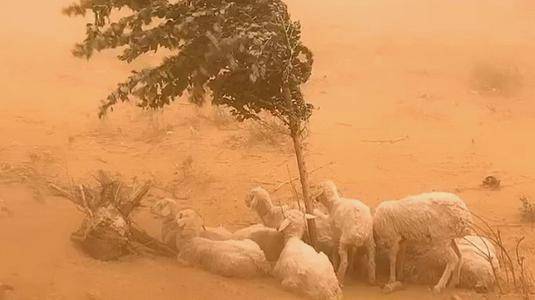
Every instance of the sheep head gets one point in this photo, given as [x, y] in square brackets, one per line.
[328, 194]
[164, 208]
[259, 200]
[189, 223]
[294, 224]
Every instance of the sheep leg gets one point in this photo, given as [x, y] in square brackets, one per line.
[342, 252]
[450, 266]
[370, 247]
[351, 253]
[401, 259]
[392, 257]
[456, 277]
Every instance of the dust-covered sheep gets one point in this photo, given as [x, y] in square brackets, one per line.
[270, 240]
[352, 227]
[324, 234]
[166, 209]
[231, 258]
[424, 263]
[258, 199]
[300, 268]
[429, 218]
[272, 215]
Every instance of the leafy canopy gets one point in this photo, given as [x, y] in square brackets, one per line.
[246, 54]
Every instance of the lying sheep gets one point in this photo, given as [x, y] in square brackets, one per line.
[166, 210]
[259, 200]
[270, 240]
[231, 258]
[352, 227]
[300, 268]
[430, 218]
[425, 263]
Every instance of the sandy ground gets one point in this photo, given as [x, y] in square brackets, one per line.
[384, 70]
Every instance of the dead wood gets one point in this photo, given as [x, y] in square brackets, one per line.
[107, 231]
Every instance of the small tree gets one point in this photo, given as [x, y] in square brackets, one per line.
[245, 54]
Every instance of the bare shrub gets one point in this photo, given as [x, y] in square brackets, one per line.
[107, 231]
[496, 79]
[514, 276]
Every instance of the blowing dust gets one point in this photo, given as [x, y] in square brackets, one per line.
[411, 96]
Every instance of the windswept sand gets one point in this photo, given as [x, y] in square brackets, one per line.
[384, 70]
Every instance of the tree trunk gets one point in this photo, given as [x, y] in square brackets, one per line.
[295, 133]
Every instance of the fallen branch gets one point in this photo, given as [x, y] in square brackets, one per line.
[62, 192]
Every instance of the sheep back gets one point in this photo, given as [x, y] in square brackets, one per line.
[352, 222]
[268, 239]
[428, 217]
[219, 233]
[301, 269]
[230, 258]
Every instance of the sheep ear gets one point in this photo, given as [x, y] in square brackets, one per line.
[253, 202]
[284, 224]
[309, 217]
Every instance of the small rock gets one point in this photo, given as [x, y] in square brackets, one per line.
[392, 287]
[491, 183]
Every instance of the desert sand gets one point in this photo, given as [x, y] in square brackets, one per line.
[400, 110]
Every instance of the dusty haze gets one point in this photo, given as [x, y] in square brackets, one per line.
[411, 72]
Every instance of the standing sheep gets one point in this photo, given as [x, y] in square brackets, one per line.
[300, 268]
[430, 218]
[352, 227]
[231, 258]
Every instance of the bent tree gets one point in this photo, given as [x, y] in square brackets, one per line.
[246, 55]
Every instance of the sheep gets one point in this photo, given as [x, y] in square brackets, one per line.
[431, 218]
[300, 268]
[424, 263]
[230, 258]
[166, 210]
[258, 199]
[271, 215]
[352, 227]
[324, 234]
[270, 240]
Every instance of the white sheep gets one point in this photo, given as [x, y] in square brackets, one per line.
[431, 218]
[300, 268]
[271, 215]
[352, 227]
[324, 234]
[424, 263]
[258, 199]
[231, 258]
[166, 209]
[270, 240]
